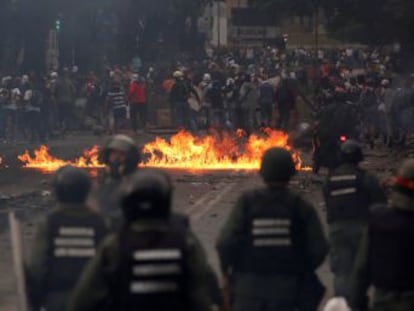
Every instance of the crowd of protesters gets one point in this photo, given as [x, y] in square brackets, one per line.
[247, 89]
[41, 108]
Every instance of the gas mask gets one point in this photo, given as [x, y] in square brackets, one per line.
[116, 169]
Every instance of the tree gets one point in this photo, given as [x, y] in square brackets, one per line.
[95, 31]
[370, 21]
[159, 24]
[366, 21]
[287, 8]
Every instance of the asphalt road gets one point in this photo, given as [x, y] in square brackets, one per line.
[207, 197]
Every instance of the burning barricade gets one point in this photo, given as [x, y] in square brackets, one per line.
[220, 151]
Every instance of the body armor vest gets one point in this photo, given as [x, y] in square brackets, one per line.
[154, 270]
[271, 240]
[72, 242]
[345, 199]
[109, 200]
[391, 249]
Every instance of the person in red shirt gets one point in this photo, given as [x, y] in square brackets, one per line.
[137, 96]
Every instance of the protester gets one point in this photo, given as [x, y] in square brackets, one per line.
[230, 88]
[137, 95]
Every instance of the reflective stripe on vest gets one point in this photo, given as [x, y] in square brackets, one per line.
[76, 231]
[74, 252]
[156, 269]
[266, 222]
[159, 254]
[343, 191]
[343, 177]
[151, 287]
[271, 232]
[272, 242]
[75, 242]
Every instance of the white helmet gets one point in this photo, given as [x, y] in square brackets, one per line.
[25, 78]
[6, 79]
[28, 95]
[230, 81]
[16, 92]
[178, 74]
[206, 77]
[304, 127]
[135, 77]
[54, 75]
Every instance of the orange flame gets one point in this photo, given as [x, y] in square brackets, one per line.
[45, 162]
[215, 152]
[218, 151]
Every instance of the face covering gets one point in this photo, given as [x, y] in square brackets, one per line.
[116, 169]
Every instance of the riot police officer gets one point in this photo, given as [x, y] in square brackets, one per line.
[385, 258]
[148, 264]
[272, 243]
[64, 242]
[349, 191]
[121, 157]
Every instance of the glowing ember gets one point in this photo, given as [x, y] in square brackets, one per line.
[215, 152]
[45, 162]
[185, 151]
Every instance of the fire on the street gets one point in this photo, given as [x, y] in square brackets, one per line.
[215, 152]
[44, 161]
[184, 151]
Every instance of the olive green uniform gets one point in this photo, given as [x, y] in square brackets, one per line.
[106, 199]
[259, 283]
[347, 218]
[182, 222]
[48, 285]
[94, 289]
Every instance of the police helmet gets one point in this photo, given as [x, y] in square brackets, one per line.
[147, 194]
[404, 181]
[71, 184]
[277, 165]
[125, 144]
[351, 152]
